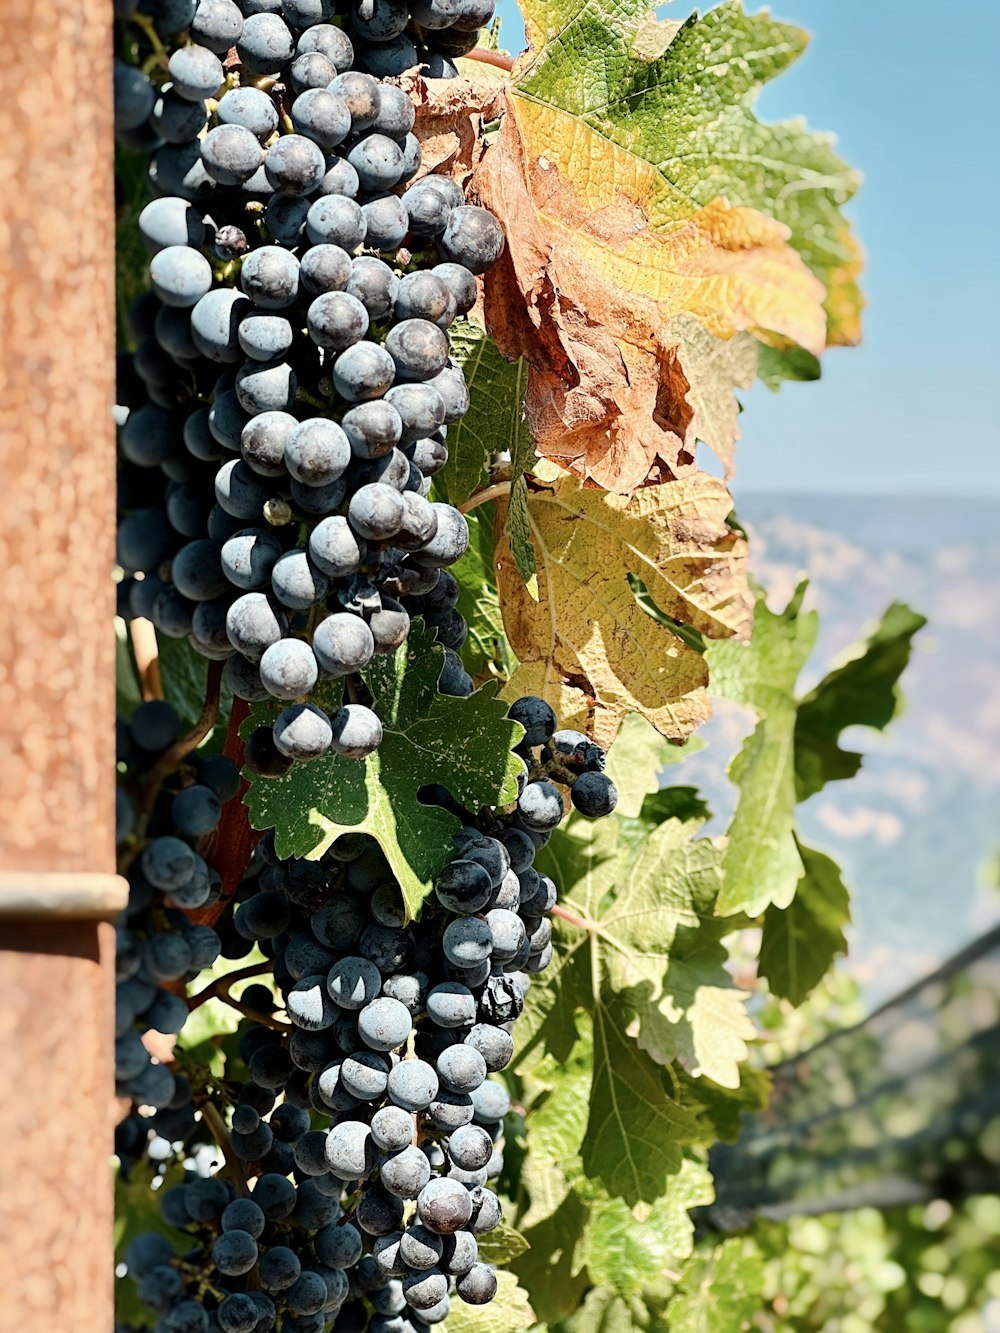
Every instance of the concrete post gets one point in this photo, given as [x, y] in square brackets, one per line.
[57, 882]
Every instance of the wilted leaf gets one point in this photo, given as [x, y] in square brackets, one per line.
[800, 942]
[634, 183]
[450, 115]
[715, 369]
[586, 645]
[429, 738]
[584, 291]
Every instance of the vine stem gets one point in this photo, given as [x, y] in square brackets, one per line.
[213, 1119]
[572, 919]
[485, 496]
[497, 58]
[180, 749]
[214, 989]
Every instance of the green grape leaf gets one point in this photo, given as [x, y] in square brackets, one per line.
[464, 744]
[720, 1288]
[509, 1312]
[624, 1248]
[494, 424]
[794, 749]
[800, 942]
[762, 863]
[648, 902]
[676, 100]
[603, 1312]
[775, 365]
[636, 1128]
[862, 691]
[554, 1244]
[486, 647]
[502, 1245]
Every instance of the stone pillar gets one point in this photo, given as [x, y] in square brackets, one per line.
[57, 882]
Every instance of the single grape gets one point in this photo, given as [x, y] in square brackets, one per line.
[343, 644]
[357, 731]
[594, 795]
[406, 1173]
[478, 1286]
[384, 1024]
[180, 275]
[354, 982]
[349, 1152]
[444, 1206]
[325, 268]
[412, 1085]
[251, 108]
[265, 44]
[302, 732]
[337, 320]
[334, 547]
[451, 1005]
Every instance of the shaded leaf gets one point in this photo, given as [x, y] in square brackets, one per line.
[586, 645]
[494, 424]
[429, 738]
[775, 365]
[636, 1128]
[720, 1288]
[502, 1245]
[715, 368]
[478, 602]
[800, 942]
[863, 691]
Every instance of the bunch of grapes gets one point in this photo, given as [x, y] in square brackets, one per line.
[289, 397]
[389, 1122]
[158, 948]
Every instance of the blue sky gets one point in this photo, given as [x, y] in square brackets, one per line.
[913, 91]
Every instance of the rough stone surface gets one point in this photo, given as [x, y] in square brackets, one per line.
[56, 656]
[56, 438]
[56, 1124]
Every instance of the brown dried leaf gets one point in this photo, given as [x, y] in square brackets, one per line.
[586, 290]
[450, 116]
[586, 645]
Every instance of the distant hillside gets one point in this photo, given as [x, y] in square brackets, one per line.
[917, 830]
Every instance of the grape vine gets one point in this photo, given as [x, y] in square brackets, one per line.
[424, 1013]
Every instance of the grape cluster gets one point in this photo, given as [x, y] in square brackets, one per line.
[158, 949]
[289, 397]
[370, 1126]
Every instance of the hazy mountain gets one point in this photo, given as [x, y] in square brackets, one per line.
[917, 831]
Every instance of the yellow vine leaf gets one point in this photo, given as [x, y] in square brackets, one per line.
[587, 287]
[586, 645]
